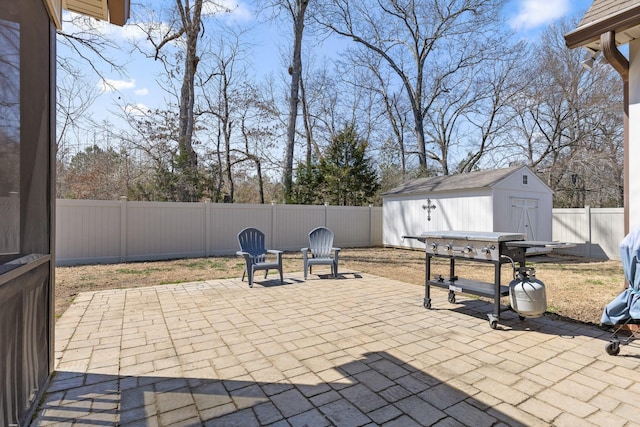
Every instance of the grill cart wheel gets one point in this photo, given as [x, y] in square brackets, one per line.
[452, 297]
[613, 348]
[427, 303]
[493, 324]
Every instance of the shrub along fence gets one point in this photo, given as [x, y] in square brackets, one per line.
[95, 231]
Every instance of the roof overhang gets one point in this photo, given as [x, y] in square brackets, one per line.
[625, 24]
[113, 11]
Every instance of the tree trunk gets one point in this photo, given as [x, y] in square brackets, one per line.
[187, 158]
[296, 74]
[307, 125]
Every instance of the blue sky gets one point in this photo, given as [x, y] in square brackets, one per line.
[531, 16]
[138, 88]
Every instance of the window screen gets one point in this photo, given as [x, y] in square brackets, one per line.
[9, 137]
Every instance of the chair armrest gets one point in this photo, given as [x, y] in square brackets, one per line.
[248, 258]
[277, 253]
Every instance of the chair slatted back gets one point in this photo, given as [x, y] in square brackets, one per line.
[251, 240]
[321, 242]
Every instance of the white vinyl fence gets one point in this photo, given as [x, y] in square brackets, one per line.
[596, 232]
[91, 232]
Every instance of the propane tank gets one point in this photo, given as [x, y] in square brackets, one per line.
[527, 294]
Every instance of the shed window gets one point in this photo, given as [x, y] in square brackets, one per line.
[525, 179]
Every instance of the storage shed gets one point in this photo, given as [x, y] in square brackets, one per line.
[513, 199]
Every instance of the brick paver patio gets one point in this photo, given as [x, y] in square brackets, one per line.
[356, 351]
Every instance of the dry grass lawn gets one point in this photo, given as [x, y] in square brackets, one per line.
[577, 289]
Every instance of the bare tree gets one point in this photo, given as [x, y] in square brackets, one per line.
[471, 119]
[86, 41]
[176, 36]
[570, 124]
[490, 117]
[427, 44]
[256, 114]
[396, 113]
[151, 143]
[218, 97]
[82, 43]
[390, 109]
[189, 27]
[237, 109]
[75, 94]
[296, 11]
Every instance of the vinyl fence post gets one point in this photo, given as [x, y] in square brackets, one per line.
[123, 228]
[370, 223]
[326, 208]
[207, 227]
[587, 210]
[273, 224]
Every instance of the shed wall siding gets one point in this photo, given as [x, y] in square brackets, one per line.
[514, 182]
[454, 211]
[486, 209]
[513, 188]
[503, 220]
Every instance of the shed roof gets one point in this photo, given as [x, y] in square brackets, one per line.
[463, 181]
[620, 16]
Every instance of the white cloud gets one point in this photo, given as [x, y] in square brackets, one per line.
[142, 92]
[110, 85]
[534, 13]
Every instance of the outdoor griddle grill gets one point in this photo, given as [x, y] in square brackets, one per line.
[496, 248]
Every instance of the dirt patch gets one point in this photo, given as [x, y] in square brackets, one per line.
[576, 288]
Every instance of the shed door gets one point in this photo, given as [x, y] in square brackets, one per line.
[524, 217]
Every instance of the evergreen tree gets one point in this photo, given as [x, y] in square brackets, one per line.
[308, 186]
[348, 176]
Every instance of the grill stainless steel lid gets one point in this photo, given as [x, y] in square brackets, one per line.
[474, 235]
[488, 246]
